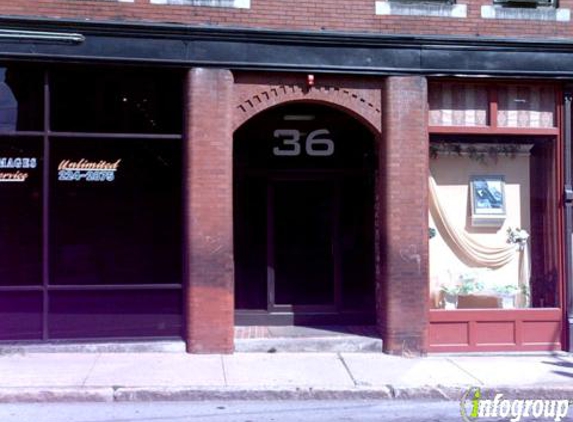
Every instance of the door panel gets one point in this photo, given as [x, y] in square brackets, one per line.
[302, 234]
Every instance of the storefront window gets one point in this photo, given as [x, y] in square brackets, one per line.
[90, 203]
[21, 98]
[21, 315]
[21, 164]
[108, 314]
[136, 101]
[493, 223]
[116, 211]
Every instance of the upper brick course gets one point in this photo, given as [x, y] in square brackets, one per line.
[328, 15]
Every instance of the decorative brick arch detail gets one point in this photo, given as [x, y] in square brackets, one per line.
[363, 104]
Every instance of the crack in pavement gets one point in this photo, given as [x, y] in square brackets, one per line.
[465, 371]
[347, 369]
[91, 369]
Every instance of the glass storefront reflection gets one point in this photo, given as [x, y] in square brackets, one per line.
[116, 211]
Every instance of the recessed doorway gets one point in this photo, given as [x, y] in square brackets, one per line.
[304, 218]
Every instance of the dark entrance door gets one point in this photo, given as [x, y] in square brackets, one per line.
[301, 244]
[304, 212]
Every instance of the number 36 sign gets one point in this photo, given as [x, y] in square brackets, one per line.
[316, 144]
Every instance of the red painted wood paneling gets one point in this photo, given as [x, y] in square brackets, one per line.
[449, 333]
[495, 333]
[541, 332]
[495, 330]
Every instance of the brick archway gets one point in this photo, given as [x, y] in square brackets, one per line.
[217, 103]
[363, 103]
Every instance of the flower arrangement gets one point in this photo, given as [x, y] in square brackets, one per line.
[466, 284]
[517, 236]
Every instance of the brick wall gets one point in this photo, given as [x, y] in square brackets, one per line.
[403, 196]
[255, 92]
[400, 107]
[397, 117]
[317, 15]
[208, 260]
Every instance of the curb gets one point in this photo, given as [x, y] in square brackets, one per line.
[194, 394]
[150, 394]
[55, 395]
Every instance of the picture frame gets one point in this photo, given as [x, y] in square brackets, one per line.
[488, 200]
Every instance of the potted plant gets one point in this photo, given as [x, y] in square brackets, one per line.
[470, 288]
[450, 296]
[507, 294]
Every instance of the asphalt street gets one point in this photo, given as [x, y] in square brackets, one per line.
[238, 411]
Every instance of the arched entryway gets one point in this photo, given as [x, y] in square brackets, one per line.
[304, 217]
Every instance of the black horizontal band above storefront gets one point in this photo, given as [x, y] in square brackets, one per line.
[303, 51]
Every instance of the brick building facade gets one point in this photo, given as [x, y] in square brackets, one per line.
[214, 163]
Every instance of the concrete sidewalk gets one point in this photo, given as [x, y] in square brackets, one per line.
[96, 376]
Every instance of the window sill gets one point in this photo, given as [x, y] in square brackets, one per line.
[547, 14]
[421, 9]
[235, 4]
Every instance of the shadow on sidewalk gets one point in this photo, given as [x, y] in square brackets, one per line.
[562, 364]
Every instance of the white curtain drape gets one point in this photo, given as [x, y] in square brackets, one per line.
[473, 252]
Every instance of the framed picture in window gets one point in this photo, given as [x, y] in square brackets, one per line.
[488, 203]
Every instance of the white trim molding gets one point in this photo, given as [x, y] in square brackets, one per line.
[412, 8]
[235, 4]
[542, 14]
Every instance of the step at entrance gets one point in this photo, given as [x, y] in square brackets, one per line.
[289, 339]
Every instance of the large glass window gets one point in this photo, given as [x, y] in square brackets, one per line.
[108, 314]
[21, 313]
[21, 164]
[116, 211]
[90, 203]
[132, 101]
[493, 223]
[21, 98]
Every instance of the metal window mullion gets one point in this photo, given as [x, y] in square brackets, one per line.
[46, 210]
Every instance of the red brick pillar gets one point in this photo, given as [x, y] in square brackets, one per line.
[208, 180]
[403, 194]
